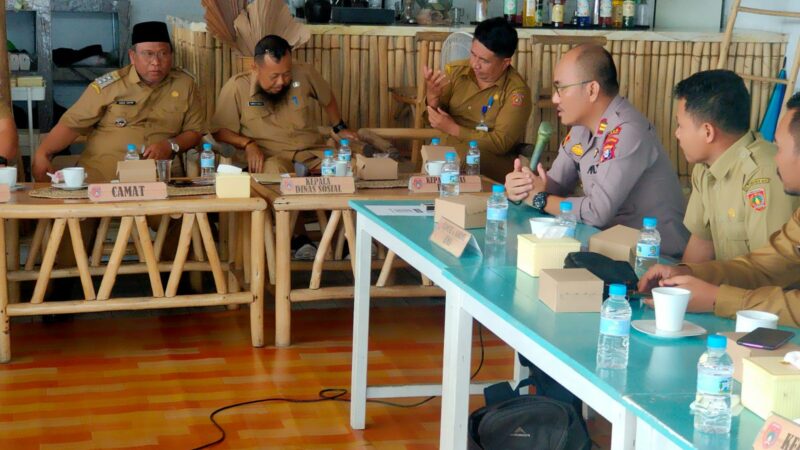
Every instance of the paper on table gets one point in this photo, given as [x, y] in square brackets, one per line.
[399, 210]
[226, 168]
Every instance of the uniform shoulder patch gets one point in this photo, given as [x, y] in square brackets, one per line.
[106, 80]
[577, 150]
[566, 139]
[610, 145]
[517, 99]
[757, 199]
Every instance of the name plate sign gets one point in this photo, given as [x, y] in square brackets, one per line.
[5, 193]
[424, 183]
[317, 185]
[778, 433]
[126, 192]
[452, 238]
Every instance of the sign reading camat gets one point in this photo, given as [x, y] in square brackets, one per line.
[317, 185]
[120, 192]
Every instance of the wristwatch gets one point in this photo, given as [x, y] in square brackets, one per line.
[540, 201]
[174, 145]
[339, 127]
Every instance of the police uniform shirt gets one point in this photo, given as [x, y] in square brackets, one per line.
[626, 176]
[738, 201]
[506, 119]
[243, 109]
[118, 109]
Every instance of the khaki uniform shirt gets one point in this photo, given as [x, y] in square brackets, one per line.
[118, 109]
[756, 280]
[738, 201]
[243, 109]
[626, 176]
[506, 118]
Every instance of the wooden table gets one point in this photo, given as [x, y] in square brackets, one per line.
[54, 216]
[279, 257]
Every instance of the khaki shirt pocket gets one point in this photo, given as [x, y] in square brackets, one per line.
[297, 112]
[169, 118]
[119, 116]
[735, 231]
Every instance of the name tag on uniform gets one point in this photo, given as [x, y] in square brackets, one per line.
[126, 102]
[482, 127]
[256, 103]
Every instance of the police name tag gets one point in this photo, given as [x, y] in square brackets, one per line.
[317, 185]
[5, 193]
[452, 238]
[425, 184]
[127, 192]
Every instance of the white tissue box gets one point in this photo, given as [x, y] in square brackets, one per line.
[770, 385]
[534, 254]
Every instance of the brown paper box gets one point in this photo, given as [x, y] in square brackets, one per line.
[232, 185]
[375, 168]
[434, 153]
[617, 242]
[739, 352]
[778, 433]
[570, 290]
[141, 171]
[466, 211]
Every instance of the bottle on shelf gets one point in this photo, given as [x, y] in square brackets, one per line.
[606, 13]
[583, 14]
[510, 11]
[642, 14]
[628, 14]
[616, 14]
[557, 13]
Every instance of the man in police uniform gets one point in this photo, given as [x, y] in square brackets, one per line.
[756, 280]
[264, 112]
[482, 99]
[147, 103]
[737, 199]
[611, 149]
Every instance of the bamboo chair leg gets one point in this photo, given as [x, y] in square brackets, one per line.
[5, 330]
[114, 261]
[180, 255]
[350, 234]
[47, 261]
[269, 245]
[234, 252]
[223, 236]
[36, 243]
[339, 254]
[211, 251]
[13, 256]
[149, 256]
[386, 270]
[99, 240]
[161, 235]
[137, 244]
[197, 243]
[425, 280]
[257, 285]
[246, 248]
[324, 245]
[81, 259]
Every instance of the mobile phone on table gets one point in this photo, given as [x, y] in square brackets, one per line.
[180, 183]
[765, 338]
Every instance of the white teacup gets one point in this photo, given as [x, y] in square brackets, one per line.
[747, 321]
[434, 168]
[73, 176]
[670, 305]
[8, 175]
[539, 225]
[341, 169]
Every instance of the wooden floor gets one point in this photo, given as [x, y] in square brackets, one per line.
[150, 381]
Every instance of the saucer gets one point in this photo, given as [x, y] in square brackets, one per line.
[15, 187]
[64, 187]
[649, 327]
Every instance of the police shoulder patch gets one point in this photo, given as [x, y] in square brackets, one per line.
[517, 98]
[757, 199]
[106, 80]
[610, 145]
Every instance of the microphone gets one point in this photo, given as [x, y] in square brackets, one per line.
[542, 140]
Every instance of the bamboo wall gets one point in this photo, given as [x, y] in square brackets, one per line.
[362, 68]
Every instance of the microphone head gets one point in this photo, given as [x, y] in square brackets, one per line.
[545, 129]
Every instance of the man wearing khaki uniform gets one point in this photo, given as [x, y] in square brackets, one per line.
[146, 104]
[756, 280]
[482, 99]
[737, 199]
[265, 111]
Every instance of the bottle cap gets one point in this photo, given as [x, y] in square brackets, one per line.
[717, 341]
[435, 141]
[131, 147]
[617, 289]
[345, 141]
[473, 144]
[565, 206]
[450, 156]
[498, 189]
[650, 222]
[328, 152]
[207, 146]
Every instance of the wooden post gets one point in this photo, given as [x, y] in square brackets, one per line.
[5, 330]
[283, 282]
[257, 283]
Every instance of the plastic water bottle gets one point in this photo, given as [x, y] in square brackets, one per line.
[345, 155]
[473, 159]
[615, 330]
[328, 164]
[131, 154]
[712, 405]
[496, 215]
[207, 170]
[567, 219]
[449, 179]
[435, 141]
[648, 248]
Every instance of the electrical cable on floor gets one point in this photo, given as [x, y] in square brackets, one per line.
[325, 395]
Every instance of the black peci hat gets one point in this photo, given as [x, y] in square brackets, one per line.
[150, 32]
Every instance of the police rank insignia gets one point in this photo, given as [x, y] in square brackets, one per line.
[757, 198]
[517, 98]
[120, 122]
[602, 127]
[577, 150]
[610, 145]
